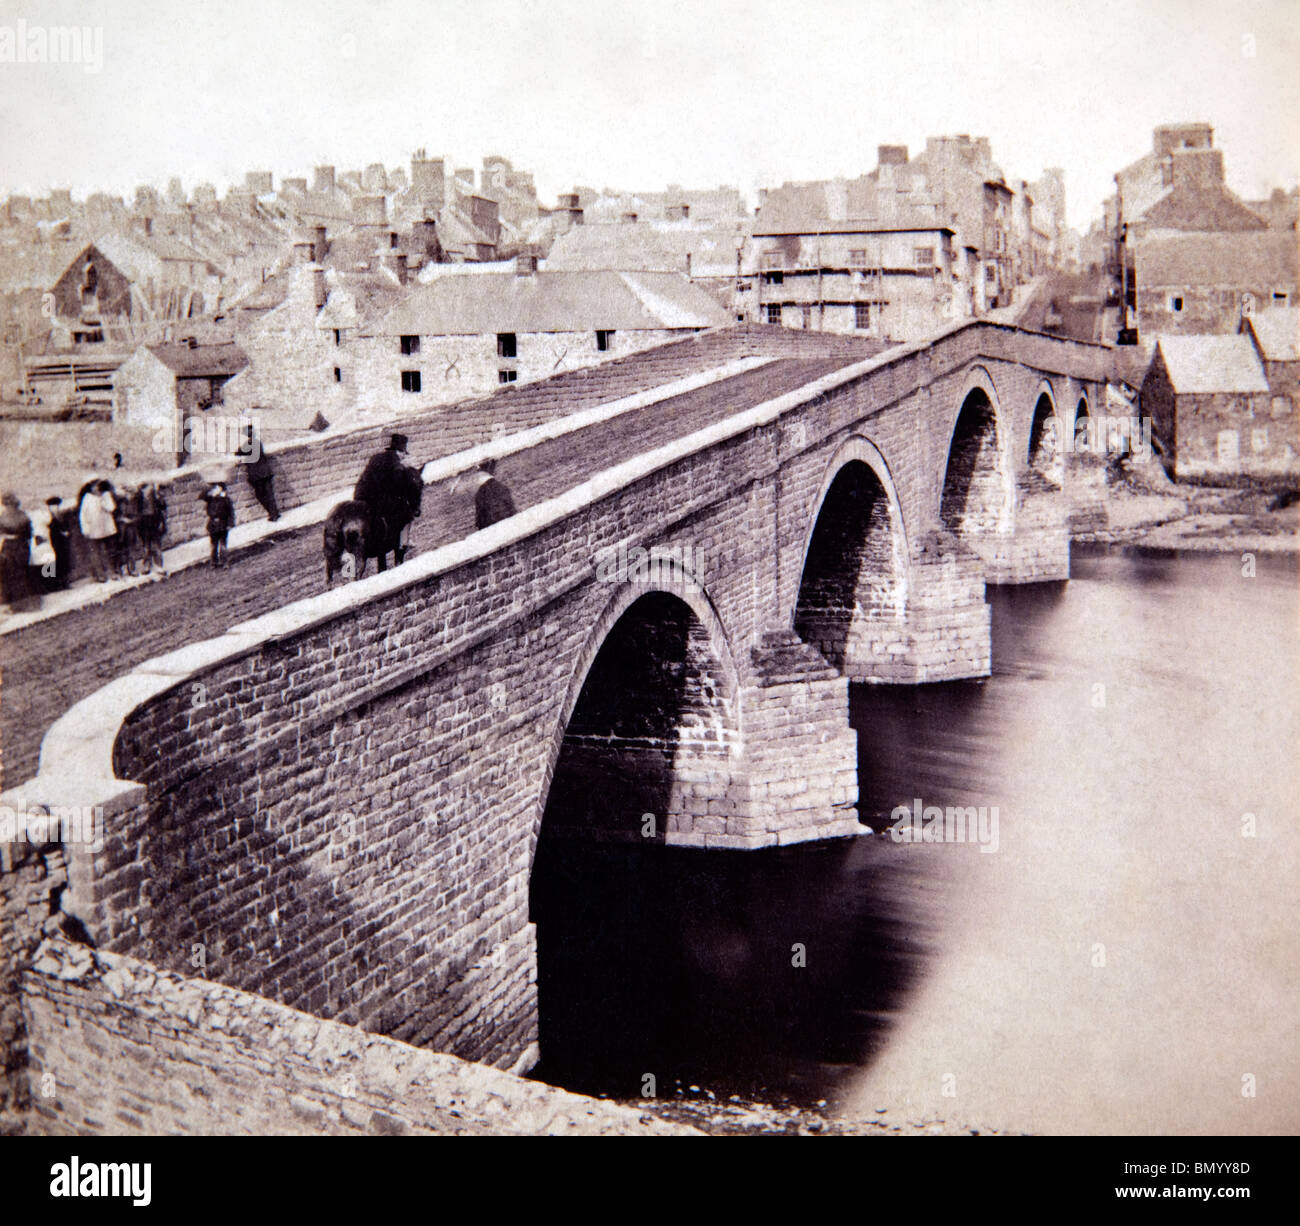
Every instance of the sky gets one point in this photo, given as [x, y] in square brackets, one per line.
[638, 94]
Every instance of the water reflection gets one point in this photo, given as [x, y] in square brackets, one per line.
[1133, 717]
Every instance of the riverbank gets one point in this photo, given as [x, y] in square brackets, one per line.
[1144, 508]
[735, 1116]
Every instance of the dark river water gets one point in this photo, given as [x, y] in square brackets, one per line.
[1121, 957]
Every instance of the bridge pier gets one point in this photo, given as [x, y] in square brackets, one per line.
[935, 626]
[1037, 549]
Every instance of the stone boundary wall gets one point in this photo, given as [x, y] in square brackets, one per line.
[32, 878]
[120, 1047]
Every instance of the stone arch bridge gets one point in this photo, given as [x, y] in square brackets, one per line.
[337, 805]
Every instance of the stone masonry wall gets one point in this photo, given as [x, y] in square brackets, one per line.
[120, 1047]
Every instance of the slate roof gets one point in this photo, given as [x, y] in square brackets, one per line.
[1257, 259]
[845, 206]
[1203, 365]
[1195, 206]
[1277, 331]
[552, 302]
[202, 361]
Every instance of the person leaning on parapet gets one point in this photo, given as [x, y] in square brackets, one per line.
[221, 518]
[260, 470]
[98, 527]
[492, 500]
[15, 552]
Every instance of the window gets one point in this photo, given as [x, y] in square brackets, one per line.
[990, 274]
[603, 339]
[1282, 406]
[862, 314]
[1176, 302]
[1259, 439]
[923, 257]
[410, 344]
[774, 312]
[807, 317]
[215, 394]
[774, 278]
[1227, 446]
[858, 258]
[1279, 297]
[506, 346]
[507, 376]
[338, 374]
[773, 261]
[410, 380]
[338, 336]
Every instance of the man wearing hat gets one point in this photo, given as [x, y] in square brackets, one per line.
[386, 485]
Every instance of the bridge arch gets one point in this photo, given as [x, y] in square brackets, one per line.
[854, 580]
[1046, 452]
[651, 709]
[1082, 415]
[977, 492]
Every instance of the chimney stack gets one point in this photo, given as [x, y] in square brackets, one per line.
[319, 247]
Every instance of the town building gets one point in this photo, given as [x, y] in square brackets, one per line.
[465, 334]
[1213, 413]
[1188, 256]
[915, 245]
[1276, 337]
[171, 388]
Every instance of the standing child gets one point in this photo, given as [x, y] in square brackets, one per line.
[221, 518]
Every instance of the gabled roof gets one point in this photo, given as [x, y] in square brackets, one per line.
[1200, 206]
[552, 302]
[1277, 333]
[201, 361]
[134, 256]
[1257, 259]
[1203, 365]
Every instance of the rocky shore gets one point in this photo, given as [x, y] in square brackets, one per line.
[1142, 507]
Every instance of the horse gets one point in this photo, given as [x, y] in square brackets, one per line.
[357, 529]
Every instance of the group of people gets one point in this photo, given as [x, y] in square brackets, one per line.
[122, 530]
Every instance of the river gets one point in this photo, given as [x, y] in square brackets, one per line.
[1121, 958]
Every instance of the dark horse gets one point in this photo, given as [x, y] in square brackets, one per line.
[362, 531]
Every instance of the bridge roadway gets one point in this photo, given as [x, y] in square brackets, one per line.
[51, 664]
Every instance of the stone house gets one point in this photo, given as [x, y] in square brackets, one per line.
[177, 390]
[470, 332]
[1212, 412]
[1276, 337]
[1199, 283]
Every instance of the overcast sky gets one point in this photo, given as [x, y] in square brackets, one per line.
[641, 94]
